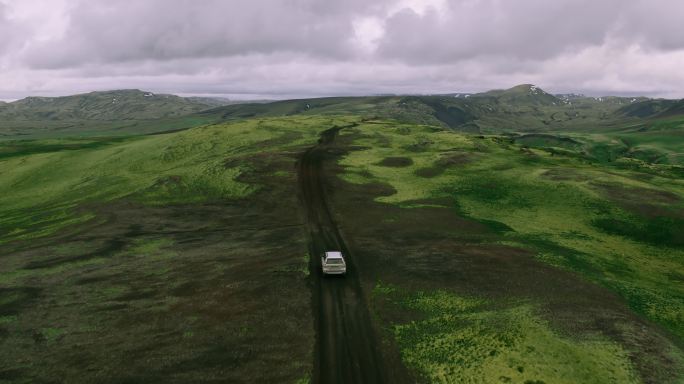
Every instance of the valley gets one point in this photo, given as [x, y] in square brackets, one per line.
[508, 236]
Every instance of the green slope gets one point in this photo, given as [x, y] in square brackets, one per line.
[156, 258]
[121, 112]
[522, 94]
[110, 105]
[617, 224]
[524, 108]
[644, 109]
[551, 256]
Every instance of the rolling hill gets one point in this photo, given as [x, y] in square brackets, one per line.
[524, 108]
[118, 112]
[676, 109]
[521, 94]
[646, 108]
[510, 236]
[128, 104]
[475, 113]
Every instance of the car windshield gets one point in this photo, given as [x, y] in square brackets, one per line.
[334, 261]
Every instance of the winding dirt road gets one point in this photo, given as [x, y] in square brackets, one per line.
[347, 349]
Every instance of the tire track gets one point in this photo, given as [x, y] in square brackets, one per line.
[347, 349]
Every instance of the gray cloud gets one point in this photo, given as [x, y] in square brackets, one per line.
[531, 29]
[5, 28]
[319, 47]
[652, 24]
[115, 31]
[12, 34]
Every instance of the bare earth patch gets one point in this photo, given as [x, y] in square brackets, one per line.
[396, 162]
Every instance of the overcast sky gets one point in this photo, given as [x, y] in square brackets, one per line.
[291, 48]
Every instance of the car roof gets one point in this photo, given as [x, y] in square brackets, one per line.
[333, 255]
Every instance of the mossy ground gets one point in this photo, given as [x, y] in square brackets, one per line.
[620, 227]
[468, 340]
[177, 255]
[164, 258]
[41, 183]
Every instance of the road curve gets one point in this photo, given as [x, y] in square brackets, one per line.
[347, 349]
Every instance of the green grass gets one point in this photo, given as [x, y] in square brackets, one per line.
[145, 247]
[576, 214]
[7, 319]
[422, 144]
[468, 340]
[43, 182]
[112, 113]
[96, 129]
[167, 254]
[50, 334]
[15, 276]
[582, 205]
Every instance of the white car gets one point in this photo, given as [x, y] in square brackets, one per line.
[333, 263]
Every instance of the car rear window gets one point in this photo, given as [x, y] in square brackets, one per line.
[333, 261]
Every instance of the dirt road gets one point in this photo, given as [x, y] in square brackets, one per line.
[347, 349]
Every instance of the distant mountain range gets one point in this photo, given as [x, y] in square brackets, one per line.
[128, 104]
[653, 108]
[523, 108]
[522, 94]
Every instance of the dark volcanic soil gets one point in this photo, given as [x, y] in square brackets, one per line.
[225, 299]
[396, 161]
[347, 349]
[431, 248]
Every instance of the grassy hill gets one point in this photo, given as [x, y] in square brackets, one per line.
[189, 246]
[139, 233]
[647, 108]
[610, 127]
[131, 104]
[524, 108]
[104, 113]
[500, 238]
[676, 109]
[618, 224]
[524, 93]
